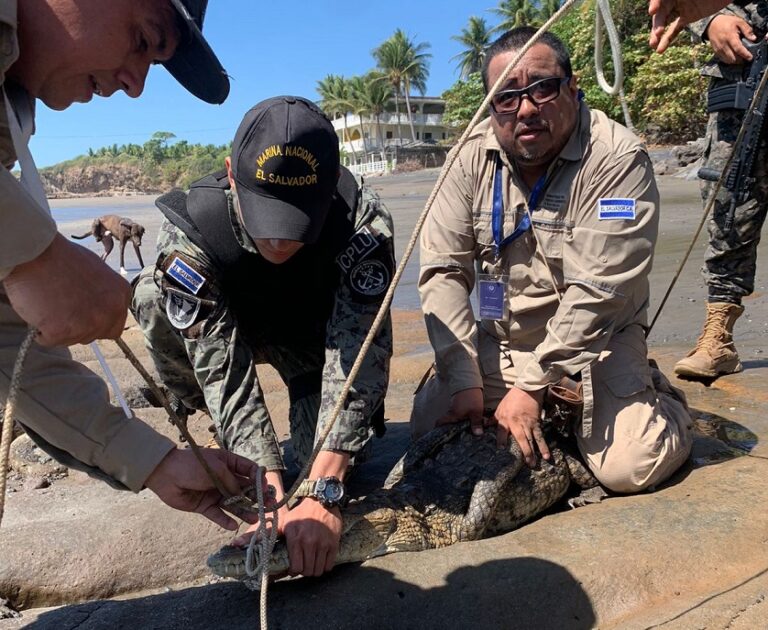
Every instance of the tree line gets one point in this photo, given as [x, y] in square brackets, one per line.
[162, 159]
[665, 93]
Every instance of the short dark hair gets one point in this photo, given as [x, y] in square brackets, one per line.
[519, 37]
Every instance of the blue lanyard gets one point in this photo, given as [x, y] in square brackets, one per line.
[497, 218]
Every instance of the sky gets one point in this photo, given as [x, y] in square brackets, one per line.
[268, 48]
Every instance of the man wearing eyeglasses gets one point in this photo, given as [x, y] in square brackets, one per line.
[550, 213]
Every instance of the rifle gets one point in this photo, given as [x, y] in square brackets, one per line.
[742, 95]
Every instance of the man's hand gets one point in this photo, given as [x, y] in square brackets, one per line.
[466, 404]
[182, 483]
[672, 16]
[725, 33]
[519, 413]
[312, 534]
[69, 295]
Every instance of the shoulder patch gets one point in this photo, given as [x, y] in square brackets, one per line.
[616, 209]
[370, 278]
[185, 275]
[358, 247]
[181, 308]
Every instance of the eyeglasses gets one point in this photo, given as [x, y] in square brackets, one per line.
[540, 92]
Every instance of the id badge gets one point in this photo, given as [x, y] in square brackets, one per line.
[492, 296]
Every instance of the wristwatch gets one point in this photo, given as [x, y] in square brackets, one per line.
[329, 491]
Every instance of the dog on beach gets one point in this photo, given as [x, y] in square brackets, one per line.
[110, 227]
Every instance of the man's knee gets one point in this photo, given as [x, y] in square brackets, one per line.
[628, 465]
[430, 402]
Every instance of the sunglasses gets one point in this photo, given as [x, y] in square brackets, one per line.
[539, 92]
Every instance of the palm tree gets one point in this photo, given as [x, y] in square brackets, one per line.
[335, 100]
[359, 105]
[548, 9]
[475, 38]
[405, 65]
[515, 13]
[376, 94]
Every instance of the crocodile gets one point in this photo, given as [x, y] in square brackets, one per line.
[449, 487]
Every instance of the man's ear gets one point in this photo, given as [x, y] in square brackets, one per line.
[573, 85]
[230, 176]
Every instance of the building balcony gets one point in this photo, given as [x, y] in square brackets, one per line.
[389, 118]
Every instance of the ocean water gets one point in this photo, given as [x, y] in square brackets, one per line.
[74, 216]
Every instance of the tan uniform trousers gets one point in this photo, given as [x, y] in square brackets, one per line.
[640, 424]
[65, 409]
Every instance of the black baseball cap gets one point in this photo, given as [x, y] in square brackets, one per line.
[194, 64]
[285, 162]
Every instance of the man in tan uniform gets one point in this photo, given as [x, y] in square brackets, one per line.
[551, 213]
[63, 51]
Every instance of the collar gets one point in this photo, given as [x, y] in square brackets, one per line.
[246, 242]
[8, 37]
[574, 148]
[8, 12]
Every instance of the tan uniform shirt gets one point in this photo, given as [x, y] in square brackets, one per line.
[62, 405]
[599, 265]
[26, 229]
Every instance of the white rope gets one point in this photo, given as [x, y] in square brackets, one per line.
[10, 407]
[111, 378]
[604, 19]
[260, 550]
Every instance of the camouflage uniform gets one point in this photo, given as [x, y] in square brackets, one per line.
[730, 260]
[211, 364]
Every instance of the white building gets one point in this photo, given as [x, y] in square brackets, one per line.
[360, 136]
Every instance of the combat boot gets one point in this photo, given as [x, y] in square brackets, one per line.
[714, 354]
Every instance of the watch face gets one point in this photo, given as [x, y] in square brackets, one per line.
[331, 490]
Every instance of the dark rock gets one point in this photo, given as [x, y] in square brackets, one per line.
[31, 461]
[139, 397]
[688, 153]
[6, 612]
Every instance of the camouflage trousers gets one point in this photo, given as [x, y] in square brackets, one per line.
[731, 257]
[300, 368]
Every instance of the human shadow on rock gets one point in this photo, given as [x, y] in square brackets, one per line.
[716, 439]
[525, 593]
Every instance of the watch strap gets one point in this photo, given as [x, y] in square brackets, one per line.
[306, 489]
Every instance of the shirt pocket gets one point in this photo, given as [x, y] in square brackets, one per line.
[550, 234]
[482, 225]
[628, 384]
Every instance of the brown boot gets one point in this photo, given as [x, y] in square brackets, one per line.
[714, 354]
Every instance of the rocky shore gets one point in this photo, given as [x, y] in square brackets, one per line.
[117, 180]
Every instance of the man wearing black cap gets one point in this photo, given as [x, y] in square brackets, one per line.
[61, 52]
[279, 259]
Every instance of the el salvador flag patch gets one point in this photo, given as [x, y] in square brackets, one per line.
[185, 275]
[616, 209]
